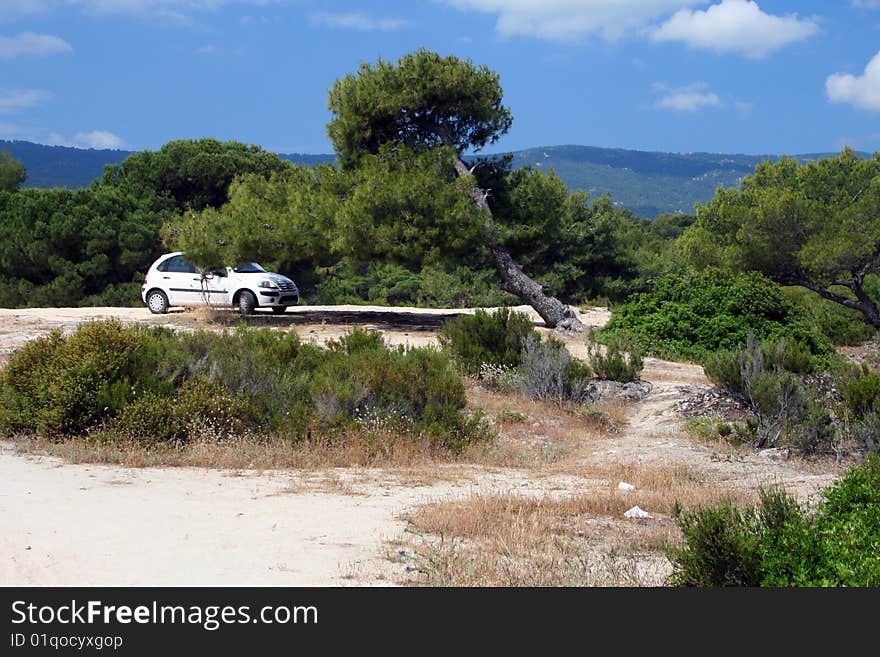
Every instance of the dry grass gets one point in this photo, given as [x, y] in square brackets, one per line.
[210, 315]
[534, 434]
[242, 453]
[570, 539]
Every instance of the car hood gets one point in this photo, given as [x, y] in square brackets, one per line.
[276, 278]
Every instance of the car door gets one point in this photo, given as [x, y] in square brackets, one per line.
[214, 287]
[181, 282]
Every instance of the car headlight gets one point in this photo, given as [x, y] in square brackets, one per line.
[267, 284]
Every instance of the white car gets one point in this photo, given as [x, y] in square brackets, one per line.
[173, 281]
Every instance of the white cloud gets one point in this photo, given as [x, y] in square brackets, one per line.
[570, 20]
[28, 43]
[98, 139]
[15, 100]
[737, 26]
[360, 22]
[691, 98]
[866, 4]
[862, 91]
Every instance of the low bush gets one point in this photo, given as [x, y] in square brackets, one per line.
[777, 543]
[496, 338]
[618, 361]
[840, 325]
[860, 388]
[155, 385]
[57, 386]
[200, 408]
[691, 314]
[549, 373]
[765, 377]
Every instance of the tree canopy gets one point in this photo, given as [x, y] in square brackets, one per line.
[12, 172]
[193, 173]
[423, 100]
[815, 225]
[426, 101]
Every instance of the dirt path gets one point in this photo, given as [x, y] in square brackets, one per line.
[69, 524]
[654, 436]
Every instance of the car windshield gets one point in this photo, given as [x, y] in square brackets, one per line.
[249, 268]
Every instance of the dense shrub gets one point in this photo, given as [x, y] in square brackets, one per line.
[199, 408]
[840, 325]
[496, 338]
[549, 373]
[155, 385]
[777, 543]
[860, 389]
[784, 410]
[618, 361]
[691, 314]
[57, 385]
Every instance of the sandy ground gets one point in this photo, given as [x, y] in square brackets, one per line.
[66, 524]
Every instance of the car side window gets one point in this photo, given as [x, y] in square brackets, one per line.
[178, 265]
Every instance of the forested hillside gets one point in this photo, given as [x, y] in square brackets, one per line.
[646, 183]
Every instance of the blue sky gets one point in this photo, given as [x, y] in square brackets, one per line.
[730, 76]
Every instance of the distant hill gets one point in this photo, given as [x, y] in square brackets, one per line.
[647, 183]
[63, 166]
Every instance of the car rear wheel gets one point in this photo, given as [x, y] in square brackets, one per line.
[247, 302]
[157, 302]
[278, 310]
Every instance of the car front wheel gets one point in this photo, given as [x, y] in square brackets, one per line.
[157, 302]
[247, 302]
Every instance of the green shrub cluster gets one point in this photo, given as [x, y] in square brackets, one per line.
[155, 385]
[618, 361]
[503, 349]
[783, 410]
[549, 373]
[779, 544]
[688, 315]
[840, 325]
[860, 389]
[496, 338]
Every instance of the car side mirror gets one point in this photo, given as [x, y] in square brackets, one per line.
[218, 272]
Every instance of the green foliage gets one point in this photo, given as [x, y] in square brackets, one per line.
[497, 338]
[784, 411]
[840, 325]
[710, 428]
[720, 548]
[154, 385]
[690, 314]
[192, 173]
[92, 246]
[12, 172]
[860, 389]
[431, 286]
[549, 373]
[423, 100]
[779, 544]
[60, 386]
[816, 225]
[199, 408]
[581, 247]
[618, 361]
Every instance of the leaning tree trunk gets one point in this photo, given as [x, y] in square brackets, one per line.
[514, 280]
